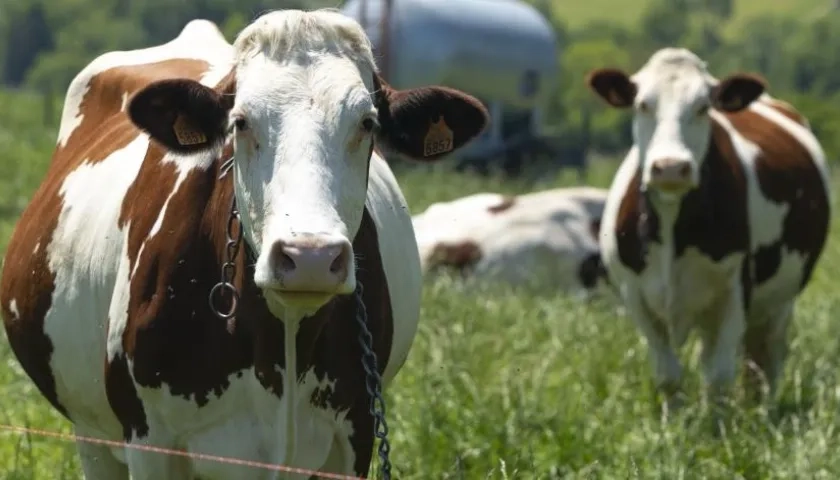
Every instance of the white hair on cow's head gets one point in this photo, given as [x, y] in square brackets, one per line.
[281, 32]
[676, 60]
[681, 57]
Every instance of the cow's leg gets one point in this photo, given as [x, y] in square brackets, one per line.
[98, 463]
[153, 463]
[766, 349]
[667, 371]
[722, 336]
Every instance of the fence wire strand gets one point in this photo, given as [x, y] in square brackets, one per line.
[169, 451]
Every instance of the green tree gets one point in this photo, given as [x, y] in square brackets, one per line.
[664, 23]
[25, 34]
[582, 113]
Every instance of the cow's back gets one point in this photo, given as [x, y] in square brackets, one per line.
[62, 266]
[789, 197]
[449, 222]
[535, 236]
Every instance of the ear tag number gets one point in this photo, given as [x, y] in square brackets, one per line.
[186, 133]
[439, 139]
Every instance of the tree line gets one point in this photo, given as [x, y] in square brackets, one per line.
[44, 43]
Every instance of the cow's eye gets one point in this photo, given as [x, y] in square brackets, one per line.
[369, 124]
[704, 109]
[240, 123]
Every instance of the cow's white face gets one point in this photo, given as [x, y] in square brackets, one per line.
[304, 123]
[671, 96]
[303, 107]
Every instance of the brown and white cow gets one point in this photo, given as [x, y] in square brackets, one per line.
[547, 237]
[715, 219]
[106, 280]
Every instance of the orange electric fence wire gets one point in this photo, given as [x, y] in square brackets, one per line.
[180, 453]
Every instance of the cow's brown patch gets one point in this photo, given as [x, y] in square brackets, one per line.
[123, 398]
[507, 202]
[635, 225]
[787, 175]
[28, 284]
[27, 279]
[459, 255]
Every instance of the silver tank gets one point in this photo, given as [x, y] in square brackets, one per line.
[502, 51]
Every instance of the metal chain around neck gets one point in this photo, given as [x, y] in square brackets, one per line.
[228, 273]
[374, 385]
[373, 381]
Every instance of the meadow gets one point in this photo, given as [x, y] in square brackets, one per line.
[578, 14]
[524, 383]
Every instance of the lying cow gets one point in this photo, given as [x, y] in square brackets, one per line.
[107, 277]
[547, 237]
[715, 219]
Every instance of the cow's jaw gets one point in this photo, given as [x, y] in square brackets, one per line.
[301, 174]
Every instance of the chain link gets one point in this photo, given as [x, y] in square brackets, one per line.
[228, 268]
[373, 383]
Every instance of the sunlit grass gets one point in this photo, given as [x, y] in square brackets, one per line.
[532, 385]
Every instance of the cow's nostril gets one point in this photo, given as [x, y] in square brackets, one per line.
[340, 263]
[285, 262]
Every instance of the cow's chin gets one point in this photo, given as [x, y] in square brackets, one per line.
[295, 305]
[670, 193]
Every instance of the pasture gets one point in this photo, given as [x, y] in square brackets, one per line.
[578, 14]
[505, 383]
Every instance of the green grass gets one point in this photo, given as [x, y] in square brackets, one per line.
[527, 384]
[579, 13]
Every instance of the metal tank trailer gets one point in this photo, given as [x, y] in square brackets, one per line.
[504, 52]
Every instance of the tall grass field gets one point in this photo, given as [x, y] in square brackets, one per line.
[525, 383]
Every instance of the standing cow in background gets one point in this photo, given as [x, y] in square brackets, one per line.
[545, 238]
[716, 217]
[106, 281]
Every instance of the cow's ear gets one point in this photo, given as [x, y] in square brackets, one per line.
[613, 86]
[427, 123]
[737, 92]
[182, 115]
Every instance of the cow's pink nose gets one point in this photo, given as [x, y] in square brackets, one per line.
[311, 263]
[671, 173]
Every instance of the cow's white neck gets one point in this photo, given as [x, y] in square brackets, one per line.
[667, 208]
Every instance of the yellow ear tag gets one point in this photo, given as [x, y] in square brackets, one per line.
[439, 139]
[186, 133]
